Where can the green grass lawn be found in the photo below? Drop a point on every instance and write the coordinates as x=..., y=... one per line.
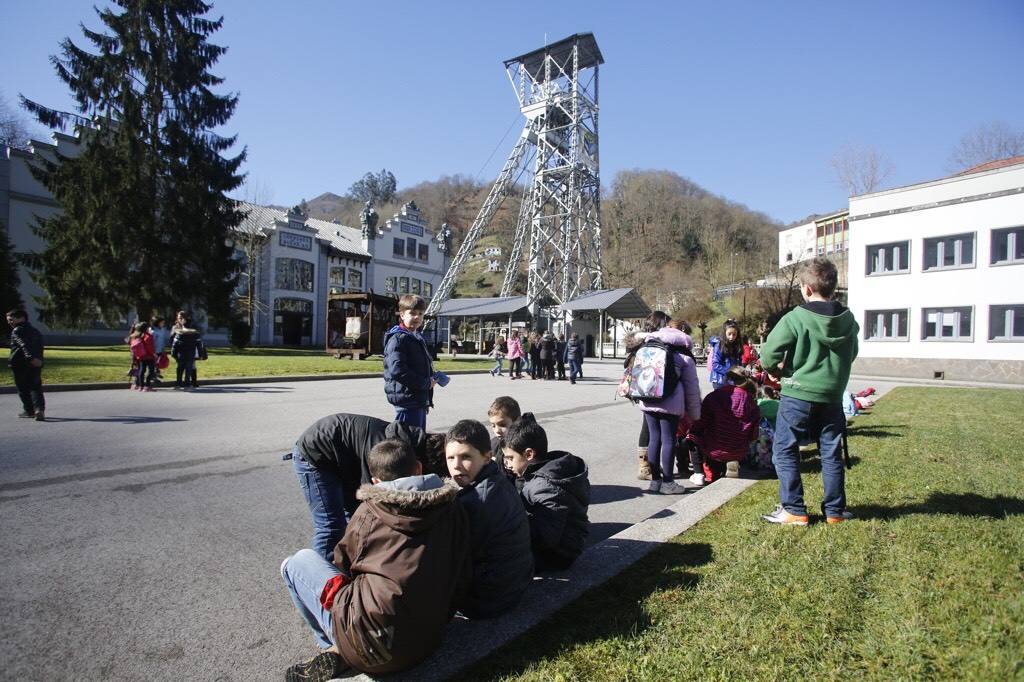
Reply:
x=83, y=364
x=927, y=583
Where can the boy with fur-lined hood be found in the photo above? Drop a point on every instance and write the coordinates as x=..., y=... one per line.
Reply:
x=398, y=572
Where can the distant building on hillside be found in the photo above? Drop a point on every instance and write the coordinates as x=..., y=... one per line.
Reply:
x=827, y=236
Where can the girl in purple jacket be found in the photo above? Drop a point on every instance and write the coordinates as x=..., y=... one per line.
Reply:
x=662, y=417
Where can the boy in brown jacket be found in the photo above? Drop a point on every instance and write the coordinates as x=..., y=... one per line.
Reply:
x=402, y=565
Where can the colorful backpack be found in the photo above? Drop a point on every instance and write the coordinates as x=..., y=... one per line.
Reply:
x=650, y=372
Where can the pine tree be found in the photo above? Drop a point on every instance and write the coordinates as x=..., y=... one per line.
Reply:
x=10, y=299
x=146, y=219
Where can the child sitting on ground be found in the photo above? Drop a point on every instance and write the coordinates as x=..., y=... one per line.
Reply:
x=402, y=565
x=728, y=423
x=500, y=533
x=502, y=413
x=555, y=490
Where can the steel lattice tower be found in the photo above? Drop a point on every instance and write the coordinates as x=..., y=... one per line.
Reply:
x=558, y=232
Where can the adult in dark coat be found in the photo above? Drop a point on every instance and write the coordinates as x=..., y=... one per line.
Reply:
x=500, y=532
x=547, y=356
x=26, y=362
x=574, y=356
x=560, y=345
x=330, y=461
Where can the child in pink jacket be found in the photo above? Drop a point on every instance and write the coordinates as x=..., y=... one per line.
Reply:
x=662, y=417
x=515, y=355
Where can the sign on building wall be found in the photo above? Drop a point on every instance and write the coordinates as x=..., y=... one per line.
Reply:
x=409, y=228
x=296, y=241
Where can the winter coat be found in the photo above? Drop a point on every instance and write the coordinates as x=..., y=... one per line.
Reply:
x=719, y=362
x=728, y=423
x=161, y=337
x=502, y=563
x=143, y=348
x=574, y=350
x=560, y=351
x=407, y=553
x=685, y=397
x=26, y=345
x=408, y=369
x=341, y=442
x=515, y=349
x=186, y=343
x=556, y=494
x=547, y=348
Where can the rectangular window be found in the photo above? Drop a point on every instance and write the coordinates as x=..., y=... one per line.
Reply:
x=355, y=279
x=888, y=258
x=428, y=290
x=410, y=247
x=1006, y=323
x=954, y=251
x=403, y=285
x=1008, y=246
x=337, y=277
x=293, y=274
x=424, y=252
x=399, y=247
x=886, y=325
x=390, y=284
x=947, y=324
x=415, y=286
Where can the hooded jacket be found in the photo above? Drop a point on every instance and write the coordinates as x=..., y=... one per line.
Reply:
x=817, y=344
x=407, y=553
x=515, y=348
x=408, y=369
x=547, y=347
x=185, y=343
x=342, y=441
x=502, y=563
x=574, y=350
x=729, y=422
x=556, y=494
x=26, y=345
x=685, y=398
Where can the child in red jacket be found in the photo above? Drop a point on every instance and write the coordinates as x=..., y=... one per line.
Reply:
x=144, y=356
x=729, y=419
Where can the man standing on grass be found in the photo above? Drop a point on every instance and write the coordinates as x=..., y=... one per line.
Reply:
x=26, y=362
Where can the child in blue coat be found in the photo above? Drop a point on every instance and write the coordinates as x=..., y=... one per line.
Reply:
x=408, y=370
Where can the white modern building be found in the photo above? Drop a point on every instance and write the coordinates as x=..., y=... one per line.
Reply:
x=936, y=276
x=828, y=236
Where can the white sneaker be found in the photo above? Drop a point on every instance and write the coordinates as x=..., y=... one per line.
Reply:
x=697, y=479
x=654, y=487
x=672, y=488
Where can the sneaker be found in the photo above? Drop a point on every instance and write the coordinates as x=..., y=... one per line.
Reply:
x=845, y=516
x=654, y=487
x=320, y=668
x=672, y=488
x=27, y=415
x=40, y=416
x=784, y=518
x=148, y=389
x=732, y=469
x=697, y=479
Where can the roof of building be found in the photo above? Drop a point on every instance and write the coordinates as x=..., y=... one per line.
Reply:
x=515, y=306
x=622, y=304
x=991, y=165
x=344, y=239
x=589, y=55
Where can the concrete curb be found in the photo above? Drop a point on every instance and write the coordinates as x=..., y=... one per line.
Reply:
x=908, y=381
x=549, y=593
x=227, y=381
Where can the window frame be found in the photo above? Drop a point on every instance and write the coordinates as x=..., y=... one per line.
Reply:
x=871, y=316
x=1012, y=233
x=1003, y=308
x=939, y=267
x=397, y=252
x=293, y=274
x=869, y=260
x=947, y=339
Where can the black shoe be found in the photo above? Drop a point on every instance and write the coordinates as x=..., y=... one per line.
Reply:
x=26, y=415
x=40, y=417
x=320, y=668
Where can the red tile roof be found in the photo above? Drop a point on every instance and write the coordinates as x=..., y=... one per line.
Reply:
x=992, y=165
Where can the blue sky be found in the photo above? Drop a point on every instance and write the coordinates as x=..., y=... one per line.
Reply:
x=748, y=99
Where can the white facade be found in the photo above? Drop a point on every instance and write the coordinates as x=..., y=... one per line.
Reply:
x=406, y=256
x=796, y=244
x=936, y=276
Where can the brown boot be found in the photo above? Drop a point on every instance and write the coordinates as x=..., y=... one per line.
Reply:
x=645, y=466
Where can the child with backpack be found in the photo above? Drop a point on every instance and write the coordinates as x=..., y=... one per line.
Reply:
x=727, y=426
x=143, y=357
x=726, y=352
x=664, y=381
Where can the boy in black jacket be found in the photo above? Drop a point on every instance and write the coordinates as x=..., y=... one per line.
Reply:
x=26, y=362
x=555, y=490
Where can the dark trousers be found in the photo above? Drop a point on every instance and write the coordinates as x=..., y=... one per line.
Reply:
x=186, y=372
x=560, y=365
x=535, y=368
x=29, y=381
x=662, y=430
x=147, y=369
x=515, y=367
x=549, y=368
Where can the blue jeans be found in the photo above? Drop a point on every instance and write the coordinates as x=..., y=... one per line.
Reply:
x=413, y=416
x=574, y=370
x=499, y=364
x=324, y=494
x=802, y=421
x=661, y=446
x=147, y=368
x=305, y=573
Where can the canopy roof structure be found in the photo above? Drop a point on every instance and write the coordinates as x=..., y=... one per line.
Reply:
x=533, y=62
x=515, y=308
x=622, y=304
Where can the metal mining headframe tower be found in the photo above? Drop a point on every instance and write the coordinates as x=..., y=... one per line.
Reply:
x=559, y=227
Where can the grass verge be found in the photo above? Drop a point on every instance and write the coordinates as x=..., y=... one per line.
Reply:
x=927, y=583
x=85, y=364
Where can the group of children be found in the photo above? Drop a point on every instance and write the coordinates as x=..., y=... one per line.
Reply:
x=546, y=355
x=411, y=528
x=148, y=343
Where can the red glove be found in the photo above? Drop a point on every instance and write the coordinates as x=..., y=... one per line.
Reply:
x=331, y=590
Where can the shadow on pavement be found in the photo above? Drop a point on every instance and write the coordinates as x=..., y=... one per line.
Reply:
x=961, y=504
x=242, y=389
x=603, y=530
x=117, y=420
x=602, y=494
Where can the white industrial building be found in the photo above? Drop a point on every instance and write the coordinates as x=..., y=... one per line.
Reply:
x=936, y=276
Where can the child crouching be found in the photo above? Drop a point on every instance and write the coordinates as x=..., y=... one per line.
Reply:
x=556, y=493
x=398, y=571
x=728, y=424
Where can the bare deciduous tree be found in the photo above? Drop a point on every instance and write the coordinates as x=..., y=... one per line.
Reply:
x=988, y=142
x=15, y=129
x=251, y=243
x=861, y=169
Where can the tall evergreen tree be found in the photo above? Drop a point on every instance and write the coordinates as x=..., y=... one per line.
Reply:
x=9, y=279
x=145, y=213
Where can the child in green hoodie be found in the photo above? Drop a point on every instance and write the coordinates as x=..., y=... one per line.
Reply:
x=812, y=349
